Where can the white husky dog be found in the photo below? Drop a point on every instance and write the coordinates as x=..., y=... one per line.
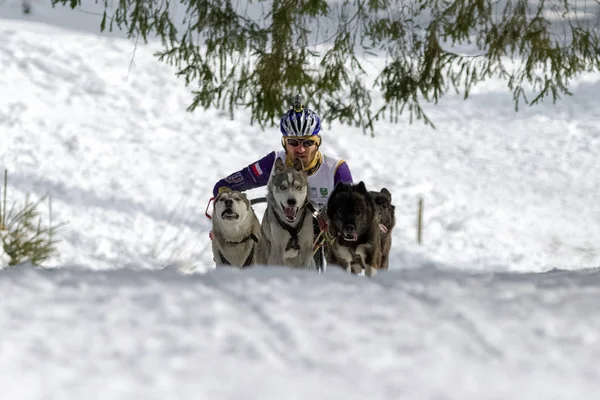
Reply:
x=287, y=234
x=236, y=230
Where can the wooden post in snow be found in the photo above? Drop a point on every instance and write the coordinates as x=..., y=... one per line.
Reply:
x=420, y=222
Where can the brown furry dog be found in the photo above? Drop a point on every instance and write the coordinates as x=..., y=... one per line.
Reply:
x=387, y=220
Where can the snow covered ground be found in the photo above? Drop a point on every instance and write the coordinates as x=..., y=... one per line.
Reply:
x=476, y=312
x=278, y=334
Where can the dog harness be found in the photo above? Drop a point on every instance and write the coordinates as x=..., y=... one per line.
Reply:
x=249, y=259
x=294, y=243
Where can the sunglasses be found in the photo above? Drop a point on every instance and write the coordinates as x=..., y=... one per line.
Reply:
x=305, y=143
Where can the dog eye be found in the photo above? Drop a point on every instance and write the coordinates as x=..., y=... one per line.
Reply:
x=341, y=212
x=357, y=211
x=281, y=187
x=298, y=188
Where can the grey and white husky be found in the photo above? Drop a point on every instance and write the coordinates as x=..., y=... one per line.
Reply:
x=236, y=230
x=287, y=234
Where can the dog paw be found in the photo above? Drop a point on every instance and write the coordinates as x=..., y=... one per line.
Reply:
x=291, y=253
x=371, y=271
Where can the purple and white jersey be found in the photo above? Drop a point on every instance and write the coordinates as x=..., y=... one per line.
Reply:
x=321, y=182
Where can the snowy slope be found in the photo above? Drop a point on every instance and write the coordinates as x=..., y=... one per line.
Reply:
x=130, y=169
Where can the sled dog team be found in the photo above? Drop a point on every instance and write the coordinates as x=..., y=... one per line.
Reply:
x=355, y=226
x=312, y=204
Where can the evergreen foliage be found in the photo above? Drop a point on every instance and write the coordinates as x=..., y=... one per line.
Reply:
x=23, y=236
x=237, y=59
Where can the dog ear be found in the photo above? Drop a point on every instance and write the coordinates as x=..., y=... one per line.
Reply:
x=386, y=193
x=298, y=164
x=378, y=198
x=361, y=188
x=341, y=186
x=279, y=164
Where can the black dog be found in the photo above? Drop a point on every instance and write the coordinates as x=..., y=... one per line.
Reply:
x=387, y=220
x=354, y=225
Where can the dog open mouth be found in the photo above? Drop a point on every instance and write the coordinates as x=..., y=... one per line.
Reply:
x=229, y=214
x=350, y=236
x=290, y=213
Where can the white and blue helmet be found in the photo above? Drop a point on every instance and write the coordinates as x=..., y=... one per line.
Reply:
x=300, y=121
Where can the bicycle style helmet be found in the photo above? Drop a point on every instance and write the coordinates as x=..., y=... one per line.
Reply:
x=300, y=121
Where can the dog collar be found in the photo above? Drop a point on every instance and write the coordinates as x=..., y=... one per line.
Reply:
x=246, y=263
x=251, y=236
x=293, y=243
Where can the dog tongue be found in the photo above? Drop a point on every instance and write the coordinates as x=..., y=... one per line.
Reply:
x=383, y=228
x=290, y=212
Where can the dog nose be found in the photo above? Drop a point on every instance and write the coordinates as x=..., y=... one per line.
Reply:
x=228, y=203
x=291, y=202
x=349, y=228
